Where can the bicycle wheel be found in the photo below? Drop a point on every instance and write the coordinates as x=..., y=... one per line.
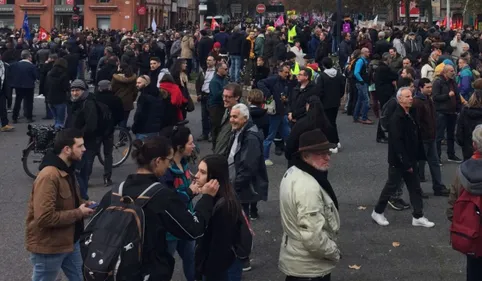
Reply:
x=31, y=160
x=122, y=147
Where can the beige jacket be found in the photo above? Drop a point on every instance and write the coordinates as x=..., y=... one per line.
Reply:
x=187, y=47
x=310, y=224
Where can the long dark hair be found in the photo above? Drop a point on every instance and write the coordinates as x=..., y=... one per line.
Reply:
x=218, y=170
x=176, y=70
x=316, y=114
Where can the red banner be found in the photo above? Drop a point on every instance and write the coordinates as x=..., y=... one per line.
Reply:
x=69, y=2
x=414, y=11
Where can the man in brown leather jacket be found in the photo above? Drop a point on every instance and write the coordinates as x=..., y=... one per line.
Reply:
x=56, y=212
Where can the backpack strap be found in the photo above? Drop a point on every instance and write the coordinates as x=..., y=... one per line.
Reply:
x=148, y=193
x=116, y=194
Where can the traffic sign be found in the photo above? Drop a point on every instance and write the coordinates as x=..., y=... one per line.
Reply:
x=75, y=17
x=260, y=8
x=141, y=10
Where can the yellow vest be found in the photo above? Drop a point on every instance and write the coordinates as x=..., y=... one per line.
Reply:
x=312, y=72
x=295, y=70
x=292, y=34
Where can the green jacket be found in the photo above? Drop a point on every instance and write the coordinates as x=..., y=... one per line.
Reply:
x=259, y=46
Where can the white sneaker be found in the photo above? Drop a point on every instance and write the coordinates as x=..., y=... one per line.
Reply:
x=338, y=145
x=268, y=162
x=334, y=150
x=423, y=221
x=380, y=218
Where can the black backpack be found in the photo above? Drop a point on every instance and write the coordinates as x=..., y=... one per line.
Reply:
x=112, y=242
x=386, y=114
x=243, y=242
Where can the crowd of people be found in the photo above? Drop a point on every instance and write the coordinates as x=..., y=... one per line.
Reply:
x=256, y=86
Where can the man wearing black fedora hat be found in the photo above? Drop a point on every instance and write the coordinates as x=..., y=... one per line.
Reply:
x=309, y=213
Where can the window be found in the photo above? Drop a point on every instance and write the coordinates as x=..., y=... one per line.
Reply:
x=103, y=1
x=10, y=2
x=33, y=1
x=103, y=22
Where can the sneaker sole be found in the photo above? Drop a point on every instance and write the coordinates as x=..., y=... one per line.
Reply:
x=422, y=225
x=247, y=269
x=454, y=161
x=394, y=207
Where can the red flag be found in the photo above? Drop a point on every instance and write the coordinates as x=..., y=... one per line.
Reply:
x=214, y=24
x=43, y=35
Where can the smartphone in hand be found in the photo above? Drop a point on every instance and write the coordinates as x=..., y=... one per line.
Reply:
x=93, y=205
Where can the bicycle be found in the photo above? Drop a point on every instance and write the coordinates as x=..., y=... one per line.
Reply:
x=41, y=141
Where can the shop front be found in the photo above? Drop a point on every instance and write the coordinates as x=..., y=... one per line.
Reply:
x=7, y=18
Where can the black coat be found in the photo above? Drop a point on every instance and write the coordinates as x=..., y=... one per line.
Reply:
x=5, y=85
x=260, y=118
x=298, y=99
x=106, y=73
x=44, y=69
x=469, y=118
x=57, y=86
x=73, y=63
x=384, y=77
x=165, y=212
x=381, y=47
x=149, y=116
x=322, y=51
x=144, y=59
x=83, y=117
x=251, y=182
x=235, y=44
x=204, y=47
x=114, y=103
x=405, y=146
x=441, y=88
x=331, y=89
x=274, y=86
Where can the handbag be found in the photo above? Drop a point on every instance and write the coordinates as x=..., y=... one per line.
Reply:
x=270, y=106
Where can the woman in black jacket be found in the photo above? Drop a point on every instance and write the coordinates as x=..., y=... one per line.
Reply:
x=469, y=118
x=315, y=118
x=215, y=258
x=57, y=89
x=165, y=212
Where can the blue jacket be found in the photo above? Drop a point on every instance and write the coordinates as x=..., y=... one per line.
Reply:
x=274, y=86
x=360, y=71
x=313, y=44
x=222, y=38
x=464, y=82
x=23, y=74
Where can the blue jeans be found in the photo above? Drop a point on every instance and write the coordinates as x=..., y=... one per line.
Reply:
x=234, y=273
x=434, y=165
x=59, y=112
x=185, y=249
x=362, y=106
x=235, y=68
x=276, y=123
x=142, y=137
x=46, y=267
x=83, y=170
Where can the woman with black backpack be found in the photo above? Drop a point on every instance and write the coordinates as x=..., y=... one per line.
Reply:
x=216, y=254
x=135, y=217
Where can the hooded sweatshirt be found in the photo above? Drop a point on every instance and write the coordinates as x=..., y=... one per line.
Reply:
x=467, y=177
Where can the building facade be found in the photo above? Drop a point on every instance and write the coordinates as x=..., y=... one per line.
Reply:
x=104, y=14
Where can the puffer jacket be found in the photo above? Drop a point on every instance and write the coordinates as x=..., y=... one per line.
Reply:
x=187, y=47
x=444, y=103
x=149, y=114
x=310, y=251
x=125, y=89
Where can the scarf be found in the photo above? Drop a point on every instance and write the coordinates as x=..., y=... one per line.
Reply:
x=84, y=96
x=477, y=155
x=2, y=73
x=320, y=176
